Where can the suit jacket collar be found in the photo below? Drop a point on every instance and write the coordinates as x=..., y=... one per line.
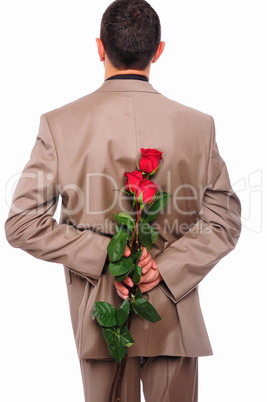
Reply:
x=127, y=86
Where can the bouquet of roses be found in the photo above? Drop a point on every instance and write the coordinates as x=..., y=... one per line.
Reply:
x=134, y=230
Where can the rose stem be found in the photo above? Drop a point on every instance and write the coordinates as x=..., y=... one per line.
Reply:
x=139, y=211
x=114, y=382
x=123, y=365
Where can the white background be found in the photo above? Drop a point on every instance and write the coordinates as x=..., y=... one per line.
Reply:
x=214, y=61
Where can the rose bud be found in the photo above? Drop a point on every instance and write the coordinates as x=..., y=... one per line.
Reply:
x=146, y=192
x=150, y=159
x=133, y=181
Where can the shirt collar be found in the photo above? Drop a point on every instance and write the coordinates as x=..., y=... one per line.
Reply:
x=128, y=77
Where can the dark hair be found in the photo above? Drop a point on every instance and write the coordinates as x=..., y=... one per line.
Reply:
x=130, y=32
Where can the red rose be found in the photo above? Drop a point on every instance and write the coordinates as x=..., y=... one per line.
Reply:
x=133, y=181
x=146, y=192
x=150, y=159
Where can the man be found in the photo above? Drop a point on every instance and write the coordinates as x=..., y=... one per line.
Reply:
x=82, y=151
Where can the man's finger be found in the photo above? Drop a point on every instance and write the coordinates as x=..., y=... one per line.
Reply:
x=144, y=254
x=154, y=265
x=146, y=267
x=122, y=296
x=120, y=285
x=121, y=288
x=128, y=282
x=146, y=287
x=127, y=252
x=146, y=261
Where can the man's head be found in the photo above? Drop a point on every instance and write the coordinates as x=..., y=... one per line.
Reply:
x=130, y=32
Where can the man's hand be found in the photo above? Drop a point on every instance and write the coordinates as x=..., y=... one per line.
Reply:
x=149, y=279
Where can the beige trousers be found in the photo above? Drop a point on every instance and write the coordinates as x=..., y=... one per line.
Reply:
x=165, y=379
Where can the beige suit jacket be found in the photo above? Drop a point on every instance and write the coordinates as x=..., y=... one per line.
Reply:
x=82, y=151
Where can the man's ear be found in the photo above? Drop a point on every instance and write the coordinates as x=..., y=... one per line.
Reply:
x=101, y=49
x=159, y=52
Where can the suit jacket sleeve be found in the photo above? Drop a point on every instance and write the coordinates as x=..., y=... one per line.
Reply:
x=185, y=262
x=30, y=225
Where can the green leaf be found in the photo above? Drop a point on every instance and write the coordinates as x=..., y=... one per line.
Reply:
x=147, y=229
x=105, y=314
x=154, y=234
x=122, y=228
x=116, y=344
x=139, y=294
x=137, y=275
x=125, y=219
x=144, y=235
x=123, y=266
x=121, y=278
x=116, y=246
x=125, y=333
x=137, y=270
x=123, y=312
x=159, y=204
x=145, y=309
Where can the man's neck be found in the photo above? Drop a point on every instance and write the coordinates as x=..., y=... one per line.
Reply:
x=110, y=71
